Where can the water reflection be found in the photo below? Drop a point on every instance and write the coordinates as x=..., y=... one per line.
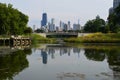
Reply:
x=61, y=63
x=51, y=51
x=112, y=56
x=13, y=62
x=44, y=56
x=95, y=55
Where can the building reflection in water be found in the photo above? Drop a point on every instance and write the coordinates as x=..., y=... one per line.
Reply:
x=77, y=50
x=51, y=51
x=68, y=51
x=99, y=55
x=44, y=56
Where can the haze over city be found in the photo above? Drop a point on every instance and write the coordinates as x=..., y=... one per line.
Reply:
x=64, y=10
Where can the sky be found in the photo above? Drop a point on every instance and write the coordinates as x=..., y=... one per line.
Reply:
x=64, y=10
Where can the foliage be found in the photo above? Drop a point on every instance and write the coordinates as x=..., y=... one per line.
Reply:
x=94, y=54
x=114, y=20
x=39, y=39
x=96, y=38
x=39, y=31
x=28, y=30
x=95, y=25
x=13, y=63
x=12, y=21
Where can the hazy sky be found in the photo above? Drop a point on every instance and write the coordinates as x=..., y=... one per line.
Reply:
x=64, y=10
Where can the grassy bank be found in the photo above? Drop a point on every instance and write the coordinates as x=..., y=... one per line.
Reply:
x=39, y=39
x=96, y=38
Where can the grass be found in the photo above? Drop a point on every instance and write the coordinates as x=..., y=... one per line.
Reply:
x=39, y=39
x=96, y=38
x=35, y=38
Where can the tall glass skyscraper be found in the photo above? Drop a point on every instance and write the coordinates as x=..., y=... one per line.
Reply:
x=44, y=19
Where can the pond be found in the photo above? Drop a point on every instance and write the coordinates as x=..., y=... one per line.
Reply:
x=61, y=62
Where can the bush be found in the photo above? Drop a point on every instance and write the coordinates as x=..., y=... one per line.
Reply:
x=39, y=39
x=96, y=38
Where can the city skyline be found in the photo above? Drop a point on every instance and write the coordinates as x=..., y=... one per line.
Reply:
x=63, y=10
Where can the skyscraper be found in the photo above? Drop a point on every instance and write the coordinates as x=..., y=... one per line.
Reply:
x=69, y=25
x=52, y=25
x=76, y=27
x=116, y=3
x=44, y=19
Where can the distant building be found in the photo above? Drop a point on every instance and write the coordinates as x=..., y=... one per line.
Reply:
x=44, y=20
x=76, y=27
x=111, y=10
x=51, y=25
x=62, y=26
x=34, y=28
x=57, y=29
x=65, y=27
x=116, y=3
x=69, y=25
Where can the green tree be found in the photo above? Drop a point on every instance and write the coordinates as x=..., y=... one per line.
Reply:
x=11, y=65
x=28, y=30
x=95, y=25
x=94, y=54
x=12, y=21
x=114, y=20
x=39, y=31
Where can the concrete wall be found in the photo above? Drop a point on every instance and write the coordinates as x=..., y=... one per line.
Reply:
x=83, y=34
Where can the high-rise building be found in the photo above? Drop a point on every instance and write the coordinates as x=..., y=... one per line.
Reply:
x=116, y=3
x=44, y=19
x=69, y=25
x=52, y=25
x=34, y=28
x=77, y=27
x=65, y=27
x=61, y=25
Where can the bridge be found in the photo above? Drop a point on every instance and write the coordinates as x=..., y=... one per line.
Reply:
x=62, y=34
x=15, y=41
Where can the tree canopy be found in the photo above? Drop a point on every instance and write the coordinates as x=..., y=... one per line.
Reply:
x=95, y=25
x=12, y=21
x=114, y=20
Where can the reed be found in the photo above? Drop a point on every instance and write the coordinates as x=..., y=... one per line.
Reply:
x=96, y=38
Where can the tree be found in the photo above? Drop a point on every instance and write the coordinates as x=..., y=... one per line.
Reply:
x=12, y=21
x=114, y=20
x=39, y=31
x=95, y=25
x=28, y=30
